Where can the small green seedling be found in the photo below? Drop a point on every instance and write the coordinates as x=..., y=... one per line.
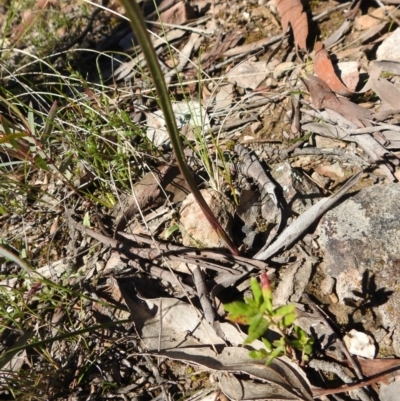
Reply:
x=260, y=315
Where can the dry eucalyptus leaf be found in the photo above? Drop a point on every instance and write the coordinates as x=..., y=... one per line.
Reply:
x=323, y=97
x=291, y=12
x=283, y=380
x=248, y=74
x=388, y=92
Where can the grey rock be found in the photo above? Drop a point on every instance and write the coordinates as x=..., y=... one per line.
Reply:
x=360, y=239
x=390, y=392
x=299, y=191
x=250, y=239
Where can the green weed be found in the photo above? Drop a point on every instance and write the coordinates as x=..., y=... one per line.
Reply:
x=260, y=315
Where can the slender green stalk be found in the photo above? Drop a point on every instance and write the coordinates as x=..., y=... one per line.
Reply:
x=134, y=14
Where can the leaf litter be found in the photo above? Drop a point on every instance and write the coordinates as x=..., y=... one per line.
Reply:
x=321, y=128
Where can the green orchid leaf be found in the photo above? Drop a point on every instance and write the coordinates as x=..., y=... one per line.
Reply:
x=288, y=319
x=256, y=289
x=239, y=312
x=134, y=13
x=49, y=122
x=257, y=328
x=267, y=344
x=274, y=354
x=258, y=354
x=283, y=310
x=41, y=163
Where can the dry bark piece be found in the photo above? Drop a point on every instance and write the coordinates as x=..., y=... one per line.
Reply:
x=249, y=166
x=291, y=12
x=323, y=68
x=376, y=366
x=287, y=282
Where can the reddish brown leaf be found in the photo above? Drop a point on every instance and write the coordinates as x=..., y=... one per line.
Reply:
x=373, y=367
x=291, y=12
x=323, y=68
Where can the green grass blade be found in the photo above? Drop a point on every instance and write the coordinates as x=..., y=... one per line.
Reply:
x=50, y=121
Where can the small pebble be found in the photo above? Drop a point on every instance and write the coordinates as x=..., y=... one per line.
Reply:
x=327, y=285
x=333, y=297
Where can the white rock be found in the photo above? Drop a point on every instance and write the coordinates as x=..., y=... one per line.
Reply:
x=360, y=344
x=390, y=49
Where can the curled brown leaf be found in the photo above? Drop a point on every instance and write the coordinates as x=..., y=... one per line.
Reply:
x=323, y=68
x=322, y=97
